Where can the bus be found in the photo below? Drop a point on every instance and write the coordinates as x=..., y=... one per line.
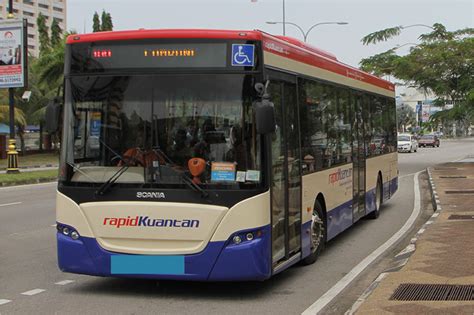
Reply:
x=214, y=155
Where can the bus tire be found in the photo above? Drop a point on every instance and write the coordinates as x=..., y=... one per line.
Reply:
x=378, y=200
x=318, y=234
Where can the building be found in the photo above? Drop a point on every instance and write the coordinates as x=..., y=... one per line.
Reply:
x=30, y=9
x=416, y=97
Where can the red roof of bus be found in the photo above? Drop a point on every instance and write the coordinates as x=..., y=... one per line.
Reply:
x=284, y=46
x=171, y=33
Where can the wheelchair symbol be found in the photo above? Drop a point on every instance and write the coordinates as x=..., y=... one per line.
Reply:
x=241, y=57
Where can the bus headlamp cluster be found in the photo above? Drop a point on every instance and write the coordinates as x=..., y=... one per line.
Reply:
x=244, y=237
x=67, y=231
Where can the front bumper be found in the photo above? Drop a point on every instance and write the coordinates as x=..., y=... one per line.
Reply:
x=403, y=149
x=219, y=261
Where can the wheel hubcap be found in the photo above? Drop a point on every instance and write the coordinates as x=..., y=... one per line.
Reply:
x=317, y=232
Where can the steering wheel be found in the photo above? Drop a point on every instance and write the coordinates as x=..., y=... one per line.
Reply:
x=130, y=157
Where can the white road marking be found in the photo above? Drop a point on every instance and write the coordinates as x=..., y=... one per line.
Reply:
x=2, y=301
x=324, y=300
x=366, y=294
x=421, y=231
x=33, y=292
x=10, y=204
x=54, y=225
x=64, y=282
x=406, y=175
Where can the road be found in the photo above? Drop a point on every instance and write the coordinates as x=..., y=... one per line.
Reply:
x=30, y=282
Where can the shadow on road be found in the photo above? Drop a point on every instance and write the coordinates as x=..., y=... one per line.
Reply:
x=182, y=290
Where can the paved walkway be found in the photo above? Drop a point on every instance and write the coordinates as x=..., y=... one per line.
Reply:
x=442, y=253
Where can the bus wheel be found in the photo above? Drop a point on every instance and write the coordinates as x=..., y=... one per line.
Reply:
x=318, y=235
x=378, y=201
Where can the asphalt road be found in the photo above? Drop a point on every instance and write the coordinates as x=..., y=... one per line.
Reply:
x=30, y=282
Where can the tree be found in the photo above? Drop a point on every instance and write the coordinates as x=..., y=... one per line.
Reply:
x=107, y=24
x=45, y=77
x=41, y=93
x=442, y=63
x=405, y=117
x=43, y=33
x=5, y=115
x=381, y=64
x=50, y=67
x=96, y=27
x=56, y=33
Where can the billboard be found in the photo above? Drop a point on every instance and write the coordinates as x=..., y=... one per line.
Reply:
x=425, y=112
x=12, y=54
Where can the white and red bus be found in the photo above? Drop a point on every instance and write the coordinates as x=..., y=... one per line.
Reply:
x=215, y=155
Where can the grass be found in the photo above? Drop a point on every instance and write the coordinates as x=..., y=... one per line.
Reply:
x=34, y=159
x=28, y=177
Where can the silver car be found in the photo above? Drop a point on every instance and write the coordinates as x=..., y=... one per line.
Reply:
x=407, y=143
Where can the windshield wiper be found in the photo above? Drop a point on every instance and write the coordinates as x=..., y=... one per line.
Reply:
x=189, y=182
x=184, y=178
x=76, y=168
x=105, y=186
x=113, y=151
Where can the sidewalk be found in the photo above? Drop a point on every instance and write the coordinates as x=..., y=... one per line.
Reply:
x=438, y=277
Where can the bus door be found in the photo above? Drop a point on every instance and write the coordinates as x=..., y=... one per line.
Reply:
x=286, y=171
x=358, y=158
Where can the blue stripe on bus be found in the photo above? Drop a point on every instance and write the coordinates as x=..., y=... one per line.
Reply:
x=370, y=197
x=306, y=239
x=219, y=261
x=393, y=186
x=339, y=219
x=144, y=264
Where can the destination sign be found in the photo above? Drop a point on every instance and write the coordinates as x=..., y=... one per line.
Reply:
x=101, y=57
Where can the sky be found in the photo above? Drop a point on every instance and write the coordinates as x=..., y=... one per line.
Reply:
x=363, y=17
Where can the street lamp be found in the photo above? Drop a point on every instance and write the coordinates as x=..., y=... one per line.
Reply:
x=305, y=34
x=398, y=46
x=415, y=25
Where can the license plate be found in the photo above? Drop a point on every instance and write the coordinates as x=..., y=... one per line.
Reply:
x=147, y=265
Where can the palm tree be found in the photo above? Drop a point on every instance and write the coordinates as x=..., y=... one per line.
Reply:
x=41, y=94
x=5, y=115
x=50, y=66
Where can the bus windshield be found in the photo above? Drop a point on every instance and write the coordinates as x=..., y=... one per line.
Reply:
x=154, y=125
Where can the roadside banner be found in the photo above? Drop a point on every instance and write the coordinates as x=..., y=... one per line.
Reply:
x=12, y=54
x=425, y=112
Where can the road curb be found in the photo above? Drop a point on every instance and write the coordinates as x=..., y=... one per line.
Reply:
x=434, y=195
x=32, y=166
x=401, y=259
x=29, y=182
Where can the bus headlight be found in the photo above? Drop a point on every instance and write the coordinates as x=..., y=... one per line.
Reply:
x=74, y=235
x=237, y=239
x=66, y=231
x=249, y=236
x=245, y=236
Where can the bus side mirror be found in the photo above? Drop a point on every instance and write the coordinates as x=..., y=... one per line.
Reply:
x=52, y=116
x=265, y=116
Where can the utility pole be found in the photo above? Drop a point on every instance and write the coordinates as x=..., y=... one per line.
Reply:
x=284, y=22
x=12, y=154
